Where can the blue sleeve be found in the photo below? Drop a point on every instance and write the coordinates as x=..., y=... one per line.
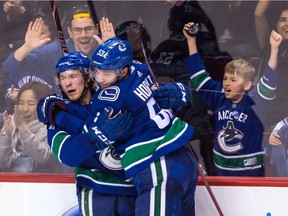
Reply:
x=69, y=123
x=208, y=89
x=38, y=65
x=12, y=67
x=71, y=150
x=193, y=64
x=266, y=88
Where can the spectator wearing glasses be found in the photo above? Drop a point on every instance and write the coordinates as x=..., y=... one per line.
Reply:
x=36, y=58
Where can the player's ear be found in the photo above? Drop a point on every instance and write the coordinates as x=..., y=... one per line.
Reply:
x=124, y=72
x=247, y=85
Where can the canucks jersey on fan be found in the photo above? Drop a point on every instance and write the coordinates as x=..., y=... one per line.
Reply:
x=238, y=126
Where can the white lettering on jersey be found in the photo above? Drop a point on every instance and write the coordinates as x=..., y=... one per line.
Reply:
x=234, y=115
x=143, y=91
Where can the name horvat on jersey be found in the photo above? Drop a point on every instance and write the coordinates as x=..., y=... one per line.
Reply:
x=143, y=91
x=234, y=115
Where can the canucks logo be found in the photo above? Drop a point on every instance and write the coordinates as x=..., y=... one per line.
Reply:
x=233, y=136
x=109, y=159
x=109, y=94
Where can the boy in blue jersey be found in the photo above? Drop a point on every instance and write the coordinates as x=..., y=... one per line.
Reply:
x=239, y=115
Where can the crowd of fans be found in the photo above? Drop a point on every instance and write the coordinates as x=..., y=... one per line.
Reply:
x=229, y=30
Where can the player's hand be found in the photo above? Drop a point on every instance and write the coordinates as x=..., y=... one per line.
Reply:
x=106, y=129
x=107, y=31
x=48, y=107
x=172, y=95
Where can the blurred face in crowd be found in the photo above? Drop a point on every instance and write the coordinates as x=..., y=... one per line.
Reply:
x=27, y=106
x=73, y=84
x=45, y=33
x=81, y=32
x=282, y=24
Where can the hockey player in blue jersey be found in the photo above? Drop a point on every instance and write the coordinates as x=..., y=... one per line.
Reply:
x=238, y=113
x=154, y=152
x=73, y=151
x=100, y=180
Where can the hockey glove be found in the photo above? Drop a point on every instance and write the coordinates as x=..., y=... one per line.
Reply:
x=172, y=95
x=106, y=129
x=48, y=107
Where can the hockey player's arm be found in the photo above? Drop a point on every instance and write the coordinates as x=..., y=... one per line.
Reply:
x=73, y=150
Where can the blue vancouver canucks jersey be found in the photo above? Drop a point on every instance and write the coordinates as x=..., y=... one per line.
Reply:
x=97, y=170
x=155, y=132
x=238, y=126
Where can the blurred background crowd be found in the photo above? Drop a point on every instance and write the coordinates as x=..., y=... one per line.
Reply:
x=228, y=30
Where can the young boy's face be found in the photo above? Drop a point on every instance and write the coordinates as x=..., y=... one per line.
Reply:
x=234, y=87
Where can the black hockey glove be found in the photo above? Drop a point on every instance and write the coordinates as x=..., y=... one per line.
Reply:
x=172, y=95
x=48, y=107
x=106, y=129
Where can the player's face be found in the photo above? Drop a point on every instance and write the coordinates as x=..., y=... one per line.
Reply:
x=282, y=24
x=234, y=87
x=81, y=32
x=72, y=83
x=27, y=106
x=105, y=78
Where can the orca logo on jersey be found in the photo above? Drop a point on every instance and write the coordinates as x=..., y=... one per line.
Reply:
x=109, y=159
x=233, y=136
x=109, y=94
